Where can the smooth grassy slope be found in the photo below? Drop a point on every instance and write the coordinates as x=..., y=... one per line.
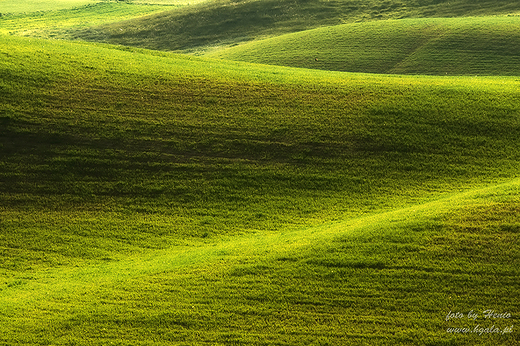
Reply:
x=125, y=171
x=92, y=128
x=223, y=23
x=454, y=46
x=59, y=23
x=385, y=279
x=25, y=6
x=29, y=6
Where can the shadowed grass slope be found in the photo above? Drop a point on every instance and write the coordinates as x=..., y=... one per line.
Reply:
x=457, y=46
x=224, y=22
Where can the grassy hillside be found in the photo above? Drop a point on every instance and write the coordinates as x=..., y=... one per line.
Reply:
x=387, y=279
x=251, y=133
x=8, y=7
x=224, y=22
x=152, y=198
x=460, y=46
x=25, y=6
x=53, y=21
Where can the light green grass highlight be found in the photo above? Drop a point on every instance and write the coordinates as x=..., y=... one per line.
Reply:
x=230, y=262
x=168, y=2
x=441, y=46
x=60, y=23
x=27, y=6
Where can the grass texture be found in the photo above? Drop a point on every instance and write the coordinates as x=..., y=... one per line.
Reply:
x=153, y=198
x=215, y=24
x=26, y=6
x=454, y=46
x=60, y=23
x=393, y=278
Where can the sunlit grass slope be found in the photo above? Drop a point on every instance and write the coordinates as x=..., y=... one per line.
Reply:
x=476, y=45
x=151, y=198
x=26, y=6
x=59, y=23
x=386, y=279
x=223, y=23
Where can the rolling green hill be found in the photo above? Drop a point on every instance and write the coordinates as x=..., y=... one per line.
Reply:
x=456, y=46
x=153, y=198
x=224, y=23
x=59, y=23
x=471, y=45
x=387, y=279
x=25, y=6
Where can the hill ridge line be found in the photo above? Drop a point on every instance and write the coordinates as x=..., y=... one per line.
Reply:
x=226, y=248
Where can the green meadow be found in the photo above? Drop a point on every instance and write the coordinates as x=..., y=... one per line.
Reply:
x=212, y=25
x=24, y=6
x=55, y=22
x=435, y=46
x=249, y=197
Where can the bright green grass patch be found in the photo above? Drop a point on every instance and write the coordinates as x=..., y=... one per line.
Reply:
x=27, y=6
x=215, y=24
x=476, y=45
x=168, y=2
x=383, y=279
x=59, y=23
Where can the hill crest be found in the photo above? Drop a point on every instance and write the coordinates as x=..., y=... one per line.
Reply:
x=225, y=23
x=435, y=46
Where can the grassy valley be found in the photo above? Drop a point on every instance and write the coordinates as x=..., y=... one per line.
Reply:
x=155, y=198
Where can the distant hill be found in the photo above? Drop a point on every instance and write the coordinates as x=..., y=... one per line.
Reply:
x=225, y=22
x=461, y=46
x=26, y=6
